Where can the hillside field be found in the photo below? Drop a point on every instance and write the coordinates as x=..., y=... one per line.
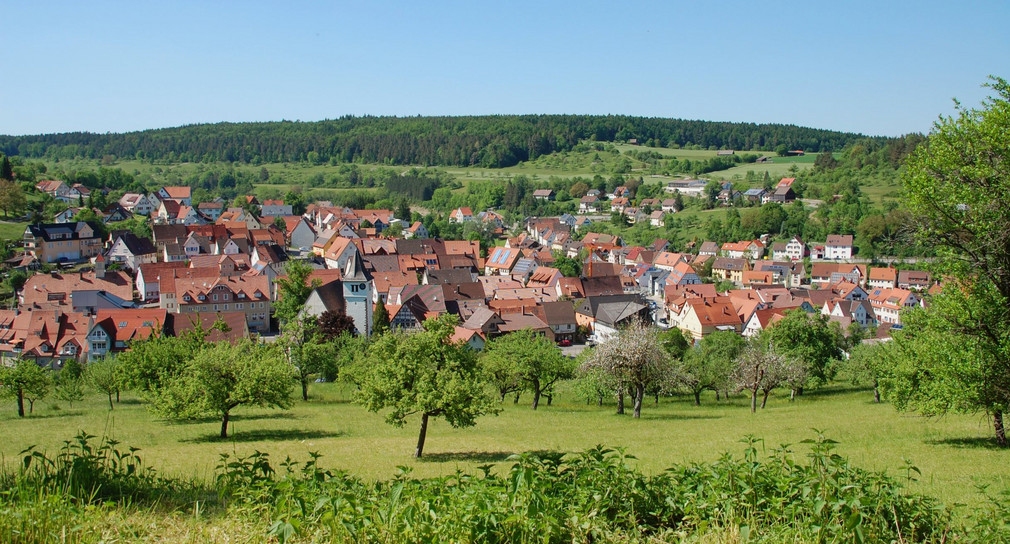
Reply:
x=954, y=453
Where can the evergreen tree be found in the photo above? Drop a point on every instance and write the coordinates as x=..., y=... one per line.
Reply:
x=380, y=319
x=6, y=172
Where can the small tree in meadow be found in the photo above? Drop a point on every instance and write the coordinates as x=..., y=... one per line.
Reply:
x=424, y=373
x=26, y=380
x=536, y=363
x=635, y=359
x=223, y=377
x=104, y=375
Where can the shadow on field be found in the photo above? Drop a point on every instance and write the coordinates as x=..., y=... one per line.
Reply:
x=826, y=393
x=968, y=443
x=670, y=417
x=265, y=435
x=246, y=417
x=476, y=456
x=48, y=415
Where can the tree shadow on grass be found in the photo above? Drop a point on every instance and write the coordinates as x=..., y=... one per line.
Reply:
x=266, y=435
x=477, y=456
x=48, y=415
x=670, y=417
x=246, y=417
x=968, y=443
x=826, y=393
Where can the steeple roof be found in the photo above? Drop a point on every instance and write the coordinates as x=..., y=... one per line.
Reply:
x=355, y=269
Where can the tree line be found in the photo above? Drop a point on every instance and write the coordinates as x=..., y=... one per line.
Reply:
x=489, y=141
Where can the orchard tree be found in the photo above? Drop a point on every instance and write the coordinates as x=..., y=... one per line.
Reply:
x=635, y=359
x=306, y=350
x=867, y=364
x=957, y=191
x=25, y=380
x=69, y=389
x=709, y=365
x=536, y=362
x=760, y=369
x=424, y=373
x=807, y=338
x=105, y=376
x=223, y=377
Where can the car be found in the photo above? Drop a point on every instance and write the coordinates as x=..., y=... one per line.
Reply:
x=565, y=343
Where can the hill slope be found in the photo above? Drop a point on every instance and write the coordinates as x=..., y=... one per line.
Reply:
x=488, y=141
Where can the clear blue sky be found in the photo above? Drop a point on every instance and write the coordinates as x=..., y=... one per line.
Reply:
x=882, y=67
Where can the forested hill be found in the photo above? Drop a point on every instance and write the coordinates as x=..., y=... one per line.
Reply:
x=488, y=141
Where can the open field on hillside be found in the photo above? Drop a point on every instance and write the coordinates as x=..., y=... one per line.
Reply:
x=564, y=165
x=11, y=230
x=954, y=453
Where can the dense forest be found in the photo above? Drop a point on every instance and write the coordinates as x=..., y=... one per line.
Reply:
x=487, y=141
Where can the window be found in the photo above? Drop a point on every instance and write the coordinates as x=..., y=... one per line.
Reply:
x=215, y=296
x=215, y=307
x=238, y=306
x=226, y=307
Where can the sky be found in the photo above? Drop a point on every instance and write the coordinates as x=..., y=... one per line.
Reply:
x=877, y=68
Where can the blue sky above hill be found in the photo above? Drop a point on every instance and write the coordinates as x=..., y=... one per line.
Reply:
x=883, y=68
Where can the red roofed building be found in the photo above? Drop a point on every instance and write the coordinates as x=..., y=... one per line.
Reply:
x=114, y=330
x=250, y=295
x=461, y=215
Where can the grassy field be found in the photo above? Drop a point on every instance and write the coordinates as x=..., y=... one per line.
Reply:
x=953, y=453
x=11, y=230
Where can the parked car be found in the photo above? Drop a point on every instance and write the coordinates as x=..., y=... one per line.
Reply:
x=565, y=343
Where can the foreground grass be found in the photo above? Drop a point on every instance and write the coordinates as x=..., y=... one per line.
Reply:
x=954, y=454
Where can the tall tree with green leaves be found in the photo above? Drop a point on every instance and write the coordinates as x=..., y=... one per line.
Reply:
x=807, y=338
x=222, y=377
x=537, y=363
x=424, y=374
x=293, y=290
x=957, y=191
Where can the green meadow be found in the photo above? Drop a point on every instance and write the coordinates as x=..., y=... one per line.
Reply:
x=954, y=453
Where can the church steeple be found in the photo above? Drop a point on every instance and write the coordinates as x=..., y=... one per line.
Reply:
x=358, y=303
x=355, y=269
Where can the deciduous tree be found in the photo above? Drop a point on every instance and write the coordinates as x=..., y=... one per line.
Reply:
x=957, y=190
x=293, y=290
x=538, y=364
x=106, y=376
x=223, y=377
x=709, y=365
x=25, y=380
x=424, y=373
x=634, y=358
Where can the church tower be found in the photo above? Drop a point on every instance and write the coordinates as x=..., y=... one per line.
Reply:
x=357, y=283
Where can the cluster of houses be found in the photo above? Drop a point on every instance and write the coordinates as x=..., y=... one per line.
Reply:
x=654, y=209
x=223, y=266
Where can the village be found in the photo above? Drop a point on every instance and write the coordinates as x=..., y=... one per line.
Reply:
x=213, y=262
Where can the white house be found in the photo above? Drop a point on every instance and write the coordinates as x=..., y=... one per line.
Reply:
x=838, y=247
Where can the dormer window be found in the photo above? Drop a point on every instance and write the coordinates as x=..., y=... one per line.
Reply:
x=241, y=295
x=187, y=298
x=202, y=298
